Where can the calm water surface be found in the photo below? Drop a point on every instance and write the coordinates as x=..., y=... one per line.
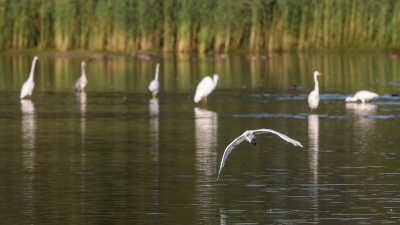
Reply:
x=113, y=155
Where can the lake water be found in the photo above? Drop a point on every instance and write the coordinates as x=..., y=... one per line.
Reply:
x=113, y=155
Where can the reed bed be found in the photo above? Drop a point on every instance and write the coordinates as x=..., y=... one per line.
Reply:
x=199, y=25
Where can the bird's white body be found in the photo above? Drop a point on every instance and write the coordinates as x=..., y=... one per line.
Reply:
x=205, y=87
x=363, y=96
x=82, y=81
x=27, y=87
x=155, y=84
x=249, y=136
x=313, y=97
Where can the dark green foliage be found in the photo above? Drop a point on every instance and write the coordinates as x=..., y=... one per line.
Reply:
x=198, y=25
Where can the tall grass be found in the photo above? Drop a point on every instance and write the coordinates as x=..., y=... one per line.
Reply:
x=199, y=25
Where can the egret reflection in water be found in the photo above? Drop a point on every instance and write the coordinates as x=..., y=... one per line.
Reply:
x=154, y=127
x=206, y=127
x=222, y=217
x=313, y=143
x=28, y=146
x=81, y=99
x=28, y=130
x=154, y=137
x=206, y=137
x=364, y=127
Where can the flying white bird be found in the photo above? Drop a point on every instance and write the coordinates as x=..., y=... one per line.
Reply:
x=154, y=84
x=363, y=96
x=82, y=81
x=249, y=136
x=313, y=97
x=29, y=84
x=205, y=87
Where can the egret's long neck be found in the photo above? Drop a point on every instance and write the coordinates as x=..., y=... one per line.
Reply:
x=83, y=71
x=316, y=84
x=353, y=99
x=32, y=69
x=215, y=83
x=158, y=66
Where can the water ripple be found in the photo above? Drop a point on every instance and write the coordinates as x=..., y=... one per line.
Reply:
x=283, y=115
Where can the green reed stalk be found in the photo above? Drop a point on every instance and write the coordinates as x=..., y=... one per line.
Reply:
x=169, y=25
x=186, y=16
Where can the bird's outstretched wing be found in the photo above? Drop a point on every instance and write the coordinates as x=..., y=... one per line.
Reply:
x=284, y=137
x=228, y=150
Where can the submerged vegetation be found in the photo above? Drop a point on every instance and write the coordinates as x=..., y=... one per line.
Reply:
x=199, y=25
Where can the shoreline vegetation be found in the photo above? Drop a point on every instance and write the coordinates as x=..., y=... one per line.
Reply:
x=199, y=26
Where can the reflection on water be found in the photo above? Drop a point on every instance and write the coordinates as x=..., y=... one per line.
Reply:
x=81, y=99
x=364, y=127
x=154, y=129
x=361, y=109
x=28, y=127
x=206, y=127
x=223, y=217
x=28, y=146
x=313, y=140
x=99, y=157
x=182, y=74
x=154, y=137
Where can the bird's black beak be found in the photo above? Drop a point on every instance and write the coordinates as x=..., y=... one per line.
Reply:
x=254, y=142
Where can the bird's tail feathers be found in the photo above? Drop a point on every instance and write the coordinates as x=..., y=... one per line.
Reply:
x=197, y=98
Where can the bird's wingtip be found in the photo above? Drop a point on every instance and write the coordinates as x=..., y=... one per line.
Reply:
x=299, y=144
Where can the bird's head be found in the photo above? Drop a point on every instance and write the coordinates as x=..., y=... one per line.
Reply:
x=35, y=58
x=83, y=63
x=249, y=136
x=349, y=99
x=316, y=73
x=215, y=77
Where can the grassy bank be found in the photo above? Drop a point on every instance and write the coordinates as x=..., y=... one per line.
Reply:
x=198, y=25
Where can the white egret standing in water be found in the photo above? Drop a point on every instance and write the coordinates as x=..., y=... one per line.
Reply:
x=249, y=136
x=82, y=81
x=205, y=87
x=313, y=97
x=27, y=87
x=363, y=96
x=154, y=84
